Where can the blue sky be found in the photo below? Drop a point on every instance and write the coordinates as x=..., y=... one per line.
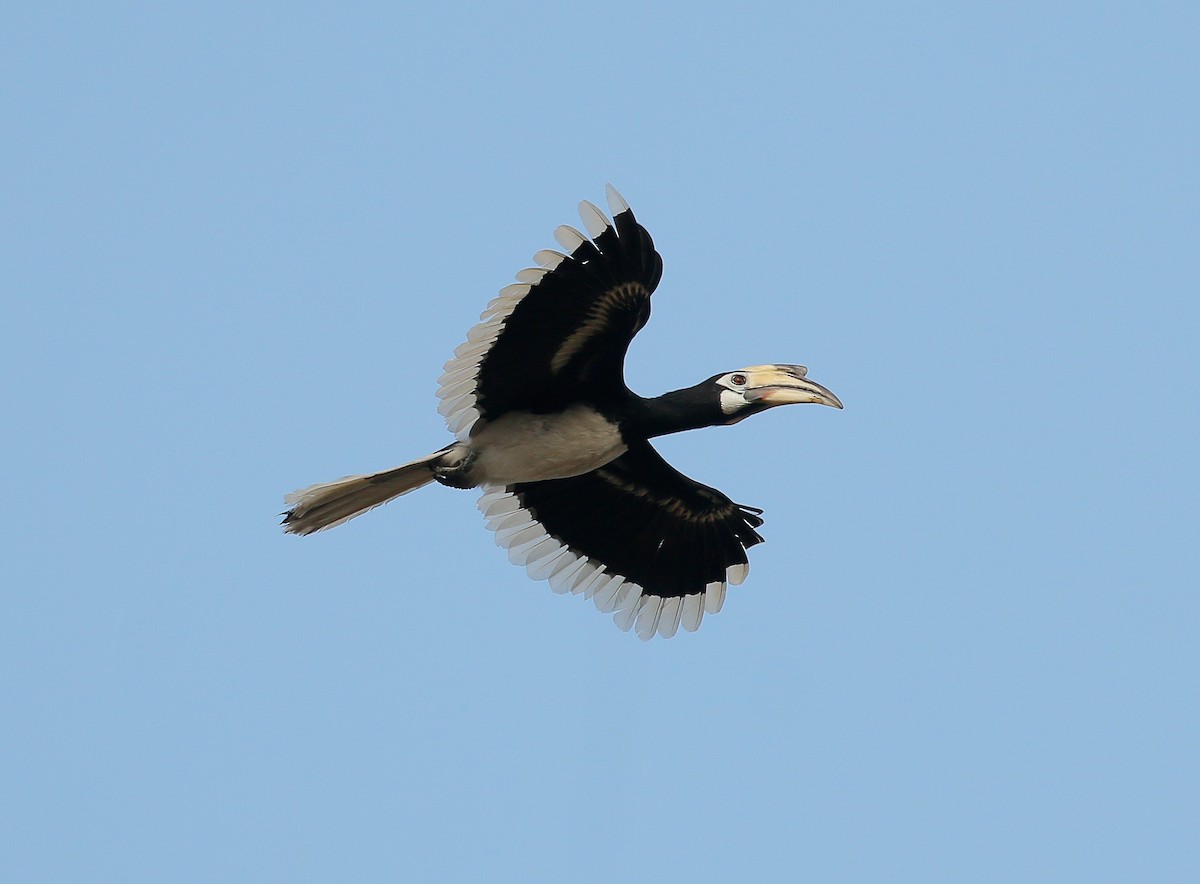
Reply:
x=239, y=243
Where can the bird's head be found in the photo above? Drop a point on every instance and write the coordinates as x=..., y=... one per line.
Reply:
x=750, y=390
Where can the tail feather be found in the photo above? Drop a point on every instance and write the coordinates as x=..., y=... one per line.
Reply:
x=318, y=507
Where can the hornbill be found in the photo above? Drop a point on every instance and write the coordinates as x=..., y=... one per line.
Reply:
x=546, y=426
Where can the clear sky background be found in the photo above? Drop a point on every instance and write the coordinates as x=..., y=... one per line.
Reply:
x=239, y=241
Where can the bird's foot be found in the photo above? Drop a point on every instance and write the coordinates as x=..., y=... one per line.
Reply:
x=454, y=468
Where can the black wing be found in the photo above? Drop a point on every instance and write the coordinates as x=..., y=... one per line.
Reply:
x=636, y=535
x=560, y=334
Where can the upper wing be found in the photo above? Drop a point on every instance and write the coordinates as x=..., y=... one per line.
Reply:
x=636, y=535
x=560, y=333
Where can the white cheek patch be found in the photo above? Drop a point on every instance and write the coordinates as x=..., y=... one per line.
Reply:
x=731, y=401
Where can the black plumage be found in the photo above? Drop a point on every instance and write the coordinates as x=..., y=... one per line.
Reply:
x=660, y=528
x=547, y=426
x=565, y=341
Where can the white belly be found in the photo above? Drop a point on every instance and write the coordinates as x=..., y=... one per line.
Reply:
x=523, y=447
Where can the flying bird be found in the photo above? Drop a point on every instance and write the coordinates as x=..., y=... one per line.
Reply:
x=546, y=426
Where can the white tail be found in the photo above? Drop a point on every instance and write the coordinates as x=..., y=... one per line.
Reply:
x=318, y=507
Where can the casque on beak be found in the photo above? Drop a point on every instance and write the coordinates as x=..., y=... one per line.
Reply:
x=785, y=385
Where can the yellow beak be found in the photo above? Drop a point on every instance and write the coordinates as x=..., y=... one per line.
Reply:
x=785, y=385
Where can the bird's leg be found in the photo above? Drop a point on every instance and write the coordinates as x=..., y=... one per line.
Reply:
x=454, y=467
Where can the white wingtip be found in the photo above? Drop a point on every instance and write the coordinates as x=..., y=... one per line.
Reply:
x=544, y=567
x=568, y=237
x=624, y=618
x=531, y=275
x=589, y=579
x=616, y=202
x=549, y=258
x=593, y=219
x=569, y=571
x=565, y=573
x=605, y=596
x=693, y=611
x=668, y=623
x=648, y=617
x=714, y=597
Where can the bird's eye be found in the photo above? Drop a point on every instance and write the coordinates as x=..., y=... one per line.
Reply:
x=738, y=380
